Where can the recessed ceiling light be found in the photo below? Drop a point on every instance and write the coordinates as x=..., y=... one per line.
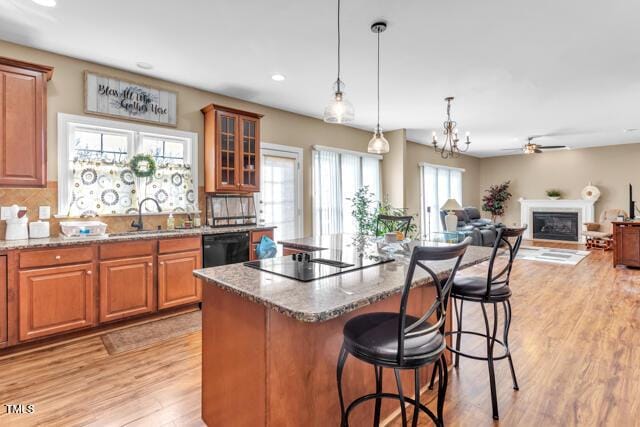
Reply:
x=45, y=3
x=278, y=77
x=144, y=65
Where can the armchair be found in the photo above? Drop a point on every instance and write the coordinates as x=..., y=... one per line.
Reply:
x=599, y=234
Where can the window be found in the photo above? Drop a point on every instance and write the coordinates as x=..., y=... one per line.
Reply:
x=280, y=198
x=94, y=176
x=337, y=175
x=439, y=183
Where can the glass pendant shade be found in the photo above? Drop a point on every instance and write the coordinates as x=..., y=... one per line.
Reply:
x=378, y=144
x=339, y=109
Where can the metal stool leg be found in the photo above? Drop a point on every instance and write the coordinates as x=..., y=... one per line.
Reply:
x=342, y=358
x=376, y=417
x=416, y=397
x=403, y=409
x=442, y=387
x=490, y=342
x=507, y=324
x=458, y=328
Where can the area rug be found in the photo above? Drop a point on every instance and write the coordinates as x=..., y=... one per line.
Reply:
x=552, y=255
x=141, y=336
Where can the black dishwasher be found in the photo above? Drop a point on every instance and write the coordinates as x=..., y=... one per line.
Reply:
x=227, y=248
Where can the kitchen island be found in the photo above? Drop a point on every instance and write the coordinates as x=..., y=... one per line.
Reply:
x=270, y=343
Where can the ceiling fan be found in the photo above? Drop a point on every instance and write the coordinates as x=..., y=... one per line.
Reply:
x=533, y=148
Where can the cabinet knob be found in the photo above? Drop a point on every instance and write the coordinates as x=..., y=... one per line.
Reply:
x=89, y=272
x=58, y=257
x=161, y=262
x=150, y=264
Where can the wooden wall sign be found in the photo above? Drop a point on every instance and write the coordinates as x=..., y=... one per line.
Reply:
x=113, y=97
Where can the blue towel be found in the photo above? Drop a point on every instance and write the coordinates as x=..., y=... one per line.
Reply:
x=266, y=248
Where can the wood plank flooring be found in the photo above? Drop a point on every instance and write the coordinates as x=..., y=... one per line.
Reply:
x=575, y=340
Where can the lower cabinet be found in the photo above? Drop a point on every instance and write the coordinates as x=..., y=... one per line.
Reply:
x=55, y=300
x=3, y=302
x=176, y=283
x=126, y=288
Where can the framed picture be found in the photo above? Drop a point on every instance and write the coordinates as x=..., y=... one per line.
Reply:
x=113, y=97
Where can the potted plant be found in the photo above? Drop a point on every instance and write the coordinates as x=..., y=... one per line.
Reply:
x=554, y=194
x=495, y=200
x=365, y=210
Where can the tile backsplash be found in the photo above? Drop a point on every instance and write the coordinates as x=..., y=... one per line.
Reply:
x=32, y=198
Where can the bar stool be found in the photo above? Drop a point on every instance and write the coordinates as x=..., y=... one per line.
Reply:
x=401, y=341
x=493, y=289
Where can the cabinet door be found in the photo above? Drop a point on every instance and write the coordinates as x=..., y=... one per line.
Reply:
x=249, y=165
x=3, y=301
x=22, y=131
x=126, y=288
x=55, y=300
x=176, y=283
x=628, y=242
x=227, y=151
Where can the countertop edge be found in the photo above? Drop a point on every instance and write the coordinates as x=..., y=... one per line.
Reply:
x=53, y=242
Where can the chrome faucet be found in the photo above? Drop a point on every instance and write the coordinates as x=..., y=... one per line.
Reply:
x=139, y=225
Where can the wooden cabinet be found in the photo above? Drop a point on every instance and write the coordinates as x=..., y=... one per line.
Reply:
x=55, y=300
x=176, y=282
x=626, y=249
x=23, y=123
x=232, y=150
x=126, y=288
x=254, y=238
x=3, y=302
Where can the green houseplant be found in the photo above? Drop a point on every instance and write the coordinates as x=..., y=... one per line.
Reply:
x=554, y=194
x=495, y=200
x=365, y=209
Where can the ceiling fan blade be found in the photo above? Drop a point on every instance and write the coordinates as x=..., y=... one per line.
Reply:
x=551, y=147
x=537, y=151
x=511, y=149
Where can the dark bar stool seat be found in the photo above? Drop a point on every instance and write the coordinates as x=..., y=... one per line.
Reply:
x=401, y=341
x=492, y=289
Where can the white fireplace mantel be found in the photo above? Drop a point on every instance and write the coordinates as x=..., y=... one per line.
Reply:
x=585, y=209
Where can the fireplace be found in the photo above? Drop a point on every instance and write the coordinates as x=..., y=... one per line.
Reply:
x=555, y=226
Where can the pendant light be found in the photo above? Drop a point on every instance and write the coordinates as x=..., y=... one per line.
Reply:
x=378, y=144
x=339, y=110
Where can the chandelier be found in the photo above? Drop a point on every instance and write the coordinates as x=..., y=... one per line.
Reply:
x=450, y=146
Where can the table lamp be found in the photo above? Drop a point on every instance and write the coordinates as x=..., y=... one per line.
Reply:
x=451, y=219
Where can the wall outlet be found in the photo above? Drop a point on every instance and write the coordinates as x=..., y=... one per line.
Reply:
x=5, y=212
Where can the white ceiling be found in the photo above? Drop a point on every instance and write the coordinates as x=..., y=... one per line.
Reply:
x=515, y=67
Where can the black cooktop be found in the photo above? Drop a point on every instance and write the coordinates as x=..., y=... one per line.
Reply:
x=306, y=267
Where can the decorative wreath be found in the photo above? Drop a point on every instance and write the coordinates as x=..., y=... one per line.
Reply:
x=143, y=165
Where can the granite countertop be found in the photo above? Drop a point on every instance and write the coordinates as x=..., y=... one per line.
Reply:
x=329, y=297
x=6, y=245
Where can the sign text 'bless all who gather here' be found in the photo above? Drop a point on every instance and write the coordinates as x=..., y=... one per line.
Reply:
x=109, y=96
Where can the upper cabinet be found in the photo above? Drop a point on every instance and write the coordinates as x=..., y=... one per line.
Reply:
x=23, y=123
x=231, y=150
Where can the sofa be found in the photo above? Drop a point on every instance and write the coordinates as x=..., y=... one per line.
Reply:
x=482, y=231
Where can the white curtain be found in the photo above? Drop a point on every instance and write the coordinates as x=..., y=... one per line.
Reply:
x=336, y=178
x=438, y=185
x=327, y=193
x=351, y=182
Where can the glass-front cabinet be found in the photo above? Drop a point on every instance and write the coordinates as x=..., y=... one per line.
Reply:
x=250, y=154
x=232, y=150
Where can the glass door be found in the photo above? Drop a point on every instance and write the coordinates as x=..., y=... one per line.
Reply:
x=280, y=200
x=250, y=149
x=227, y=151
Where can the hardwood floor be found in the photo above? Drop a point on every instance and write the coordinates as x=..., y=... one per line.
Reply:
x=575, y=340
